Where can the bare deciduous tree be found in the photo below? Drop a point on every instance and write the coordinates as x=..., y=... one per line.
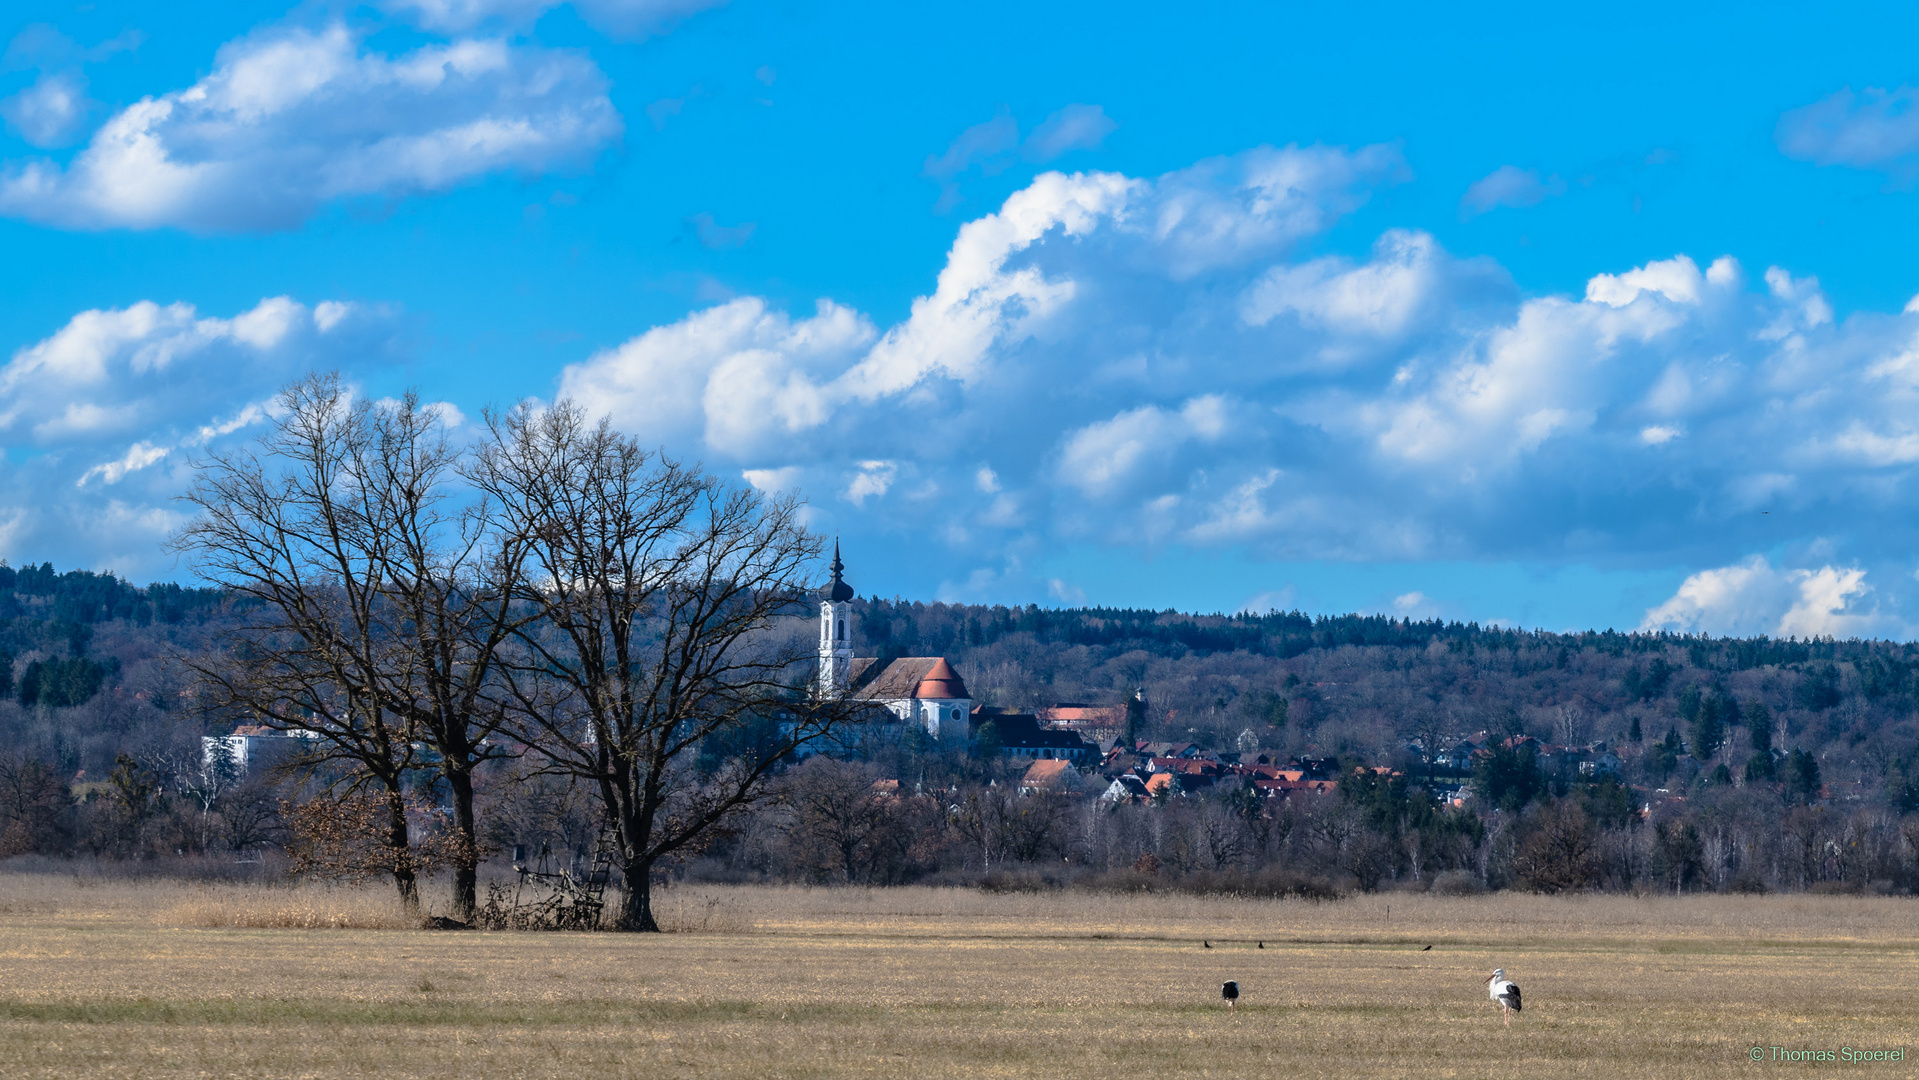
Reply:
x=836, y=815
x=370, y=604
x=648, y=669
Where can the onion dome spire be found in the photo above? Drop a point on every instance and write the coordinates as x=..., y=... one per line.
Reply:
x=838, y=591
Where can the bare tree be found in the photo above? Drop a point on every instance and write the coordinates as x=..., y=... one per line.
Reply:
x=649, y=670
x=370, y=605
x=836, y=815
x=1562, y=852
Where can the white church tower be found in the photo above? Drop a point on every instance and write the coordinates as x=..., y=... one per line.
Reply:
x=836, y=645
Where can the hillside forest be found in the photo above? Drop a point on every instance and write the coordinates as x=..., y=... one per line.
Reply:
x=1744, y=764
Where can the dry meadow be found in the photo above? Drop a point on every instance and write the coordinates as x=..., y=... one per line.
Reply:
x=114, y=979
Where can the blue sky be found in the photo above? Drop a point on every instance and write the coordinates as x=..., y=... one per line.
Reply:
x=1556, y=318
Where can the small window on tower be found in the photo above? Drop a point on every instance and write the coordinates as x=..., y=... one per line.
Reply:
x=842, y=624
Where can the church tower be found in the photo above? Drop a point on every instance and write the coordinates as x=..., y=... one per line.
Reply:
x=836, y=645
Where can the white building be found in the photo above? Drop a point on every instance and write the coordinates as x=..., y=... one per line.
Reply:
x=924, y=690
x=251, y=748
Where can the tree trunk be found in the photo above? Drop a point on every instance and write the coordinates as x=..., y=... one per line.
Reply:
x=466, y=867
x=636, y=899
x=397, y=839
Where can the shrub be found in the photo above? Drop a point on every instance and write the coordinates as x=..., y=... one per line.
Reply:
x=1457, y=883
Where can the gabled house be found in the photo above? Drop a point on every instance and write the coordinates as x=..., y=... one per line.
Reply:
x=1022, y=735
x=1605, y=763
x=1096, y=723
x=1052, y=777
x=1192, y=773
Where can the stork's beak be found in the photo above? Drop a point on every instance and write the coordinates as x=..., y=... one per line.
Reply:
x=1489, y=978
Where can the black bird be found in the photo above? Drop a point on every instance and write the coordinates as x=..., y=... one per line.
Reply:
x=1262, y=944
x=1208, y=944
x=1230, y=991
x=1428, y=948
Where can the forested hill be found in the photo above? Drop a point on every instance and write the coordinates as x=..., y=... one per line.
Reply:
x=82, y=678
x=906, y=626
x=40, y=595
x=80, y=674
x=1363, y=686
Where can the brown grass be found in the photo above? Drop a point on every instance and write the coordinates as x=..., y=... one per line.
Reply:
x=125, y=980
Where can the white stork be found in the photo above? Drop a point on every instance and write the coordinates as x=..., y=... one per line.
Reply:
x=1505, y=991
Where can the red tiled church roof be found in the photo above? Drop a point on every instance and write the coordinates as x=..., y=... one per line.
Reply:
x=941, y=682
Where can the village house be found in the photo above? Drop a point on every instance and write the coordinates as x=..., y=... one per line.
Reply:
x=251, y=749
x=1052, y=777
x=1096, y=723
x=1022, y=735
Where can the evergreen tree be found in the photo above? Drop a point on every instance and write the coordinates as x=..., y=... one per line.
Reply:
x=30, y=685
x=1759, y=728
x=1690, y=700
x=1708, y=728
x=1136, y=717
x=1507, y=778
x=1665, y=756
x=1802, y=777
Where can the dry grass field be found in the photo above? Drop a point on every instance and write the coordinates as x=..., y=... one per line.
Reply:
x=165, y=980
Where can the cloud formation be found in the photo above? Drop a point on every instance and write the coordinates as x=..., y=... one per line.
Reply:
x=54, y=109
x=1508, y=185
x=50, y=111
x=1875, y=129
x=1145, y=362
x=291, y=119
x=1752, y=598
x=100, y=418
x=627, y=19
x=993, y=146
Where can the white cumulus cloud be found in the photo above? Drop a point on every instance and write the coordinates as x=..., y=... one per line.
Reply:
x=100, y=418
x=291, y=119
x=1145, y=361
x=1753, y=597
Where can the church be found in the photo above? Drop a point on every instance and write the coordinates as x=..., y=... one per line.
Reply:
x=923, y=690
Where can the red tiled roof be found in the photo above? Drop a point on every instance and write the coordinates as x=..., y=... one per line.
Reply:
x=900, y=679
x=941, y=681
x=1056, y=774
x=1189, y=766
x=1106, y=715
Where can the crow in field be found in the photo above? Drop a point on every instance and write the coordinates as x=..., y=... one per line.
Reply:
x=1262, y=944
x=1208, y=944
x=1428, y=948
